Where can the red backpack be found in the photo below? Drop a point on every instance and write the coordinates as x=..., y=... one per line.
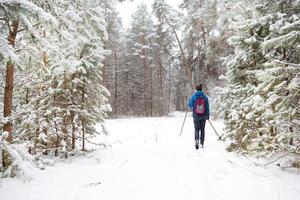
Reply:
x=200, y=107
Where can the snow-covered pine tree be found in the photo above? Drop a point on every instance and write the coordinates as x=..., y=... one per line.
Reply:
x=59, y=97
x=203, y=41
x=19, y=21
x=113, y=64
x=170, y=21
x=249, y=33
x=279, y=85
x=139, y=40
x=163, y=58
x=78, y=97
x=261, y=102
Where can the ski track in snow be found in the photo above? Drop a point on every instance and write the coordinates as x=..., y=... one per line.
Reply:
x=147, y=161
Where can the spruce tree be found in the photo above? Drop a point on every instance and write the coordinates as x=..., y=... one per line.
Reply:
x=260, y=103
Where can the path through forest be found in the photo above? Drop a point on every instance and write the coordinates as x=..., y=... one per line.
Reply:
x=149, y=161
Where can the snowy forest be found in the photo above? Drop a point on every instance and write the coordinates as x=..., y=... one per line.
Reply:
x=68, y=65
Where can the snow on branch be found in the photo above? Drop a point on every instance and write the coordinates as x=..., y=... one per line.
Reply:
x=6, y=51
x=282, y=41
x=29, y=7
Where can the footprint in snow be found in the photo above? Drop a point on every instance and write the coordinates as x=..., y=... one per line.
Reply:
x=89, y=185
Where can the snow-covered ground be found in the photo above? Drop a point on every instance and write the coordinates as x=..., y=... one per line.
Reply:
x=149, y=161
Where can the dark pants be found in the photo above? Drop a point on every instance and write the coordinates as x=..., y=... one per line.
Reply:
x=200, y=126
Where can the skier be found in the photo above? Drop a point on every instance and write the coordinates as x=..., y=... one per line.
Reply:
x=200, y=105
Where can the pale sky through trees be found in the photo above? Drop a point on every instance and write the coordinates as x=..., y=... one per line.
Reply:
x=128, y=7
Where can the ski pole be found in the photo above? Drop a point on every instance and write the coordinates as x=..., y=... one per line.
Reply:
x=183, y=123
x=215, y=130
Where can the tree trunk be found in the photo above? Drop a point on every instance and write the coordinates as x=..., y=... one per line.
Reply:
x=150, y=99
x=116, y=84
x=36, y=137
x=170, y=92
x=9, y=82
x=65, y=129
x=127, y=91
x=145, y=89
x=160, y=79
x=8, y=94
x=55, y=123
x=57, y=145
x=73, y=130
x=186, y=67
x=83, y=134
x=73, y=142
x=83, y=120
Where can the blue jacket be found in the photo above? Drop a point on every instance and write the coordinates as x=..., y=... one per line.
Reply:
x=192, y=102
